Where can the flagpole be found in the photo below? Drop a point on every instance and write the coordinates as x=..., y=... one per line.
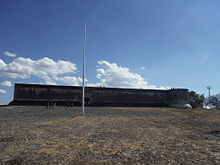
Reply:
x=83, y=80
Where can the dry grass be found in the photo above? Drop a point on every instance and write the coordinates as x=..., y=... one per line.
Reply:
x=36, y=135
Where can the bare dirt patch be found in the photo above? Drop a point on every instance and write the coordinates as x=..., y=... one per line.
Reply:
x=37, y=135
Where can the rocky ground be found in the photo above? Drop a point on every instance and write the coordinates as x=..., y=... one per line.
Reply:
x=61, y=135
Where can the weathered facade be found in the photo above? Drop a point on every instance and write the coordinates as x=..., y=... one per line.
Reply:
x=35, y=94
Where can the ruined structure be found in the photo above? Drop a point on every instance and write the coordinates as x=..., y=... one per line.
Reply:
x=35, y=94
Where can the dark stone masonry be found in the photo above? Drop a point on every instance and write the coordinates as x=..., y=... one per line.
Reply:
x=36, y=94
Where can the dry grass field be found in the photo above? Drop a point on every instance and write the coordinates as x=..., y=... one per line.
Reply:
x=37, y=135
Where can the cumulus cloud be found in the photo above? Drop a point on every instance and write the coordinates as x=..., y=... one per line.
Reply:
x=112, y=75
x=45, y=68
x=57, y=72
x=6, y=83
x=2, y=91
x=9, y=54
x=69, y=80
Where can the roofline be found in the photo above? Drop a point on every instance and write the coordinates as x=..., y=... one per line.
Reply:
x=66, y=86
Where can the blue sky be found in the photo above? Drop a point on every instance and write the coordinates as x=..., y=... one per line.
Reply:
x=131, y=43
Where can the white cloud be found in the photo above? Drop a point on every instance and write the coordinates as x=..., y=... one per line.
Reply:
x=45, y=68
x=55, y=72
x=70, y=80
x=9, y=54
x=112, y=75
x=142, y=68
x=6, y=83
x=2, y=91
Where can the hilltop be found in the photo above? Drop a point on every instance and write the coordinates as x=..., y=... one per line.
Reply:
x=61, y=135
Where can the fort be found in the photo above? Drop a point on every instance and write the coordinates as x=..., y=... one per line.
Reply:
x=37, y=94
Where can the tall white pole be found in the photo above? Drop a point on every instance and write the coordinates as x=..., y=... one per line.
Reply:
x=83, y=80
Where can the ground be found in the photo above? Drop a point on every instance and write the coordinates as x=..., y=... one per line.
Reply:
x=62, y=135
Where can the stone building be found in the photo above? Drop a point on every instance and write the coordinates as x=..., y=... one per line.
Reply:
x=36, y=94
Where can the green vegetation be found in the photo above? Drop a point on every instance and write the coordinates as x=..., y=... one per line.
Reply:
x=196, y=100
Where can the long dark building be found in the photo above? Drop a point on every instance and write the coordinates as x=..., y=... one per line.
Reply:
x=36, y=94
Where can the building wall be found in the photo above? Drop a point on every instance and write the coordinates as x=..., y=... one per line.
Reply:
x=35, y=94
x=129, y=97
